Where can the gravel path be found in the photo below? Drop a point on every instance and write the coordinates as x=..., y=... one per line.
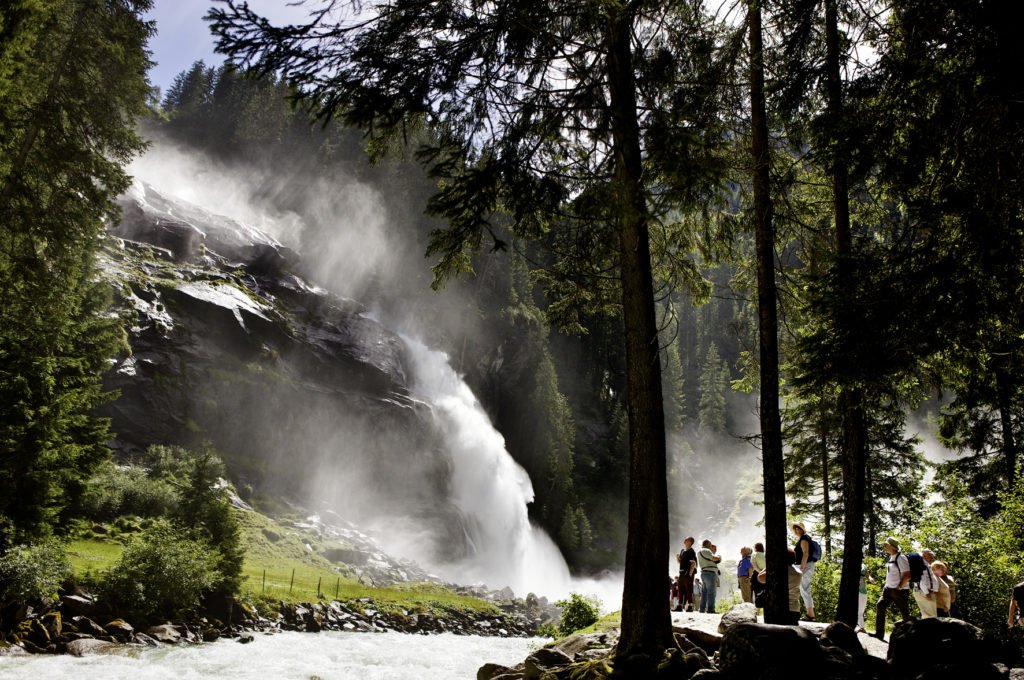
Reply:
x=709, y=623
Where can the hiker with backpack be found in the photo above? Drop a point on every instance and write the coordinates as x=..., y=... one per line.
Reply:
x=924, y=583
x=808, y=552
x=897, y=586
x=707, y=562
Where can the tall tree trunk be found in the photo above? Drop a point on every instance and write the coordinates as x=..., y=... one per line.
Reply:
x=646, y=621
x=851, y=398
x=1004, y=399
x=777, y=610
x=826, y=505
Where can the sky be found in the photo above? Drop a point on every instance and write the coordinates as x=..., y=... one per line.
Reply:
x=183, y=37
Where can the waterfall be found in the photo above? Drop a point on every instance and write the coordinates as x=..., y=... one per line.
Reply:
x=488, y=487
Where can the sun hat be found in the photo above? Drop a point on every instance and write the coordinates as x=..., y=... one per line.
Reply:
x=893, y=542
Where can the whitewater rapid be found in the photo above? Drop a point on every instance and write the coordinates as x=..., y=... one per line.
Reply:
x=287, y=656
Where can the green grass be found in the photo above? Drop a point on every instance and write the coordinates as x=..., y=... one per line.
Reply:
x=276, y=559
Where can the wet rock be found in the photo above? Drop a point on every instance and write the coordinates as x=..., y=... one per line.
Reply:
x=245, y=638
x=88, y=646
x=211, y=635
x=144, y=639
x=744, y=612
x=491, y=670
x=165, y=633
x=7, y=649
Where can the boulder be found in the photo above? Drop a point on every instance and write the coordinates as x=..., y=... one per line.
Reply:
x=1017, y=674
x=77, y=605
x=165, y=633
x=7, y=649
x=245, y=638
x=744, y=612
x=574, y=645
x=120, y=629
x=53, y=623
x=843, y=637
x=489, y=671
x=544, y=660
x=144, y=639
x=767, y=651
x=918, y=645
x=88, y=626
x=87, y=646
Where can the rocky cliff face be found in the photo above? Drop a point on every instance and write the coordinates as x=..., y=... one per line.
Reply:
x=229, y=346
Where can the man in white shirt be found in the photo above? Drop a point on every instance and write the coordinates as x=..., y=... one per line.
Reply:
x=897, y=586
x=925, y=590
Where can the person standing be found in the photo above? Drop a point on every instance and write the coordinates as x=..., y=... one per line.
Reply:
x=943, y=598
x=707, y=562
x=862, y=596
x=926, y=589
x=743, y=573
x=897, y=586
x=1016, y=615
x=793, y=577
x=807, y=560
x=687, y=565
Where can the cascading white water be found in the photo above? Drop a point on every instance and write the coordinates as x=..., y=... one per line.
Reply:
x=490, y=490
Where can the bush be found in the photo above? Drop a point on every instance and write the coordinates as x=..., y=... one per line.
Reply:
x=161, y=574
x=126, y=490
x=578, y=612
x=33, y=572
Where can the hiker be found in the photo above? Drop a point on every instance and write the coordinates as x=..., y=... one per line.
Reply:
x=1016, y=616
x=943, y=601
x=924, y=583
x=897, y=586
x=794, y=577
x=862, y=596
x=707, y=562
x=743, y=573
x=805, y=549
x=687, y=559
x=947, y=578
x=760, y=564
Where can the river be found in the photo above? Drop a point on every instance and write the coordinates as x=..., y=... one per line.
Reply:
x=287, y=656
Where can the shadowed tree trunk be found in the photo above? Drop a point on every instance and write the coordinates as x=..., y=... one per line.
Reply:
x=646, y=621
x=777, y=610
x=851, y=397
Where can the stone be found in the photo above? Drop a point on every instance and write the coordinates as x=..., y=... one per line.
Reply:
x=573, y=645
x=744, y=612
x=211, y=635
x=120, y=629
x=87, y=646
x=165, y=633
x=7, y=649
x=1017, y=674
x=917, y=645
x=489, y=671
x=767, y=651
x=144, y=639
x=77, y=605
x=88, y=626
x=245, y=638
x=840, y=635
x=544, y=660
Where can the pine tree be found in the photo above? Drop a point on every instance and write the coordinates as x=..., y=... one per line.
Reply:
x=713, y=415
x=71, y=87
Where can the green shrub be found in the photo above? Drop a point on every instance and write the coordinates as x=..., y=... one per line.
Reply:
x=161, y=574
x=578, y=612
x=33, y=572
x=126, y=490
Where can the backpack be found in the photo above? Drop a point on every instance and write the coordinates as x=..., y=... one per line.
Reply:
x=917, y=567
x=815, y=549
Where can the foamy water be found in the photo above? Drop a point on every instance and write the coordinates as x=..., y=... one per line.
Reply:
x=287, y=656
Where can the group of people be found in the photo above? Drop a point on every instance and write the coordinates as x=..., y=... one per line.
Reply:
x=933, y=588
